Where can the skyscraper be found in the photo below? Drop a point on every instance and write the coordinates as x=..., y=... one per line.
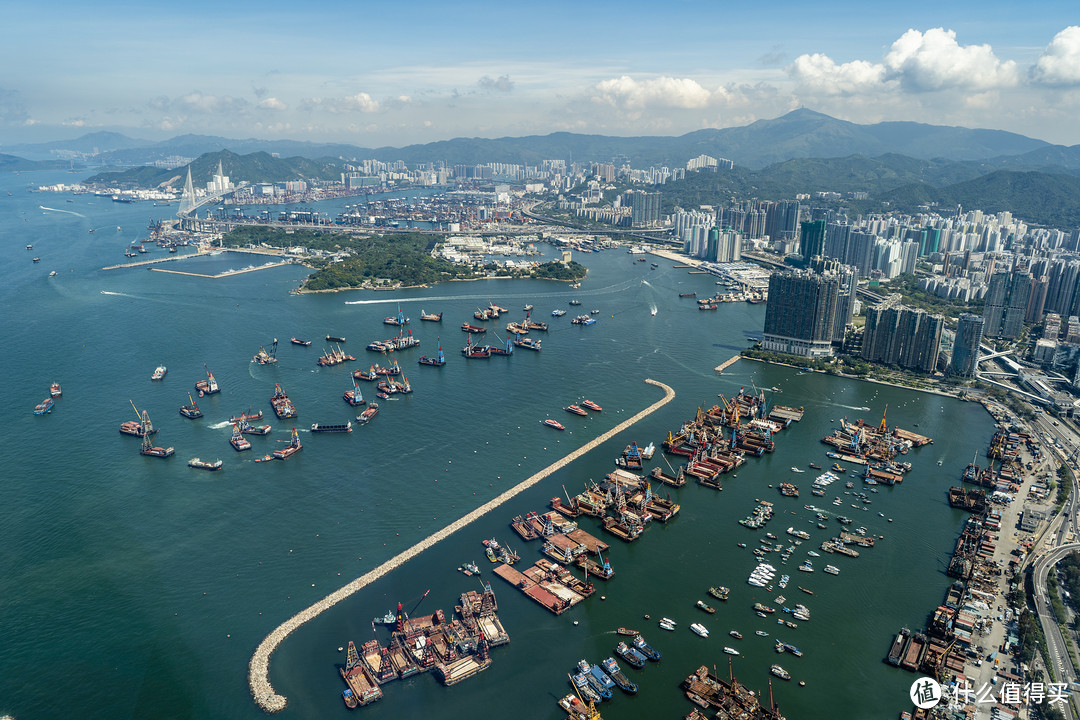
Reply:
x=812, y=242
x=1006, y=304
x=969, y=334
x=800, y=316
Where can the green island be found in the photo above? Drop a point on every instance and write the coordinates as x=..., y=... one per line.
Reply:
x=344, y=261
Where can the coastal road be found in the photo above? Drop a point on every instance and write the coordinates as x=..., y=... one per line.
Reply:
x=1055, y=643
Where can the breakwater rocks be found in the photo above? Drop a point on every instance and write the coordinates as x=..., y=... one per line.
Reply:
x=259, y=666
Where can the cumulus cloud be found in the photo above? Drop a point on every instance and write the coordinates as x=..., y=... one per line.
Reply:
x=916, y=62
x=204, y=103
x=74, y=122
x=503, y=83
x=626, y=93
x=820, y=74
x=360, y=102
x=272, y=103
x=1059, y=63
x=934, y=61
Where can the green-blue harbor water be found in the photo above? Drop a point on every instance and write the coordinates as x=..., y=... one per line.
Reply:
x=138, y=587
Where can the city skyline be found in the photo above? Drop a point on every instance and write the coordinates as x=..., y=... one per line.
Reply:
x=380, y=75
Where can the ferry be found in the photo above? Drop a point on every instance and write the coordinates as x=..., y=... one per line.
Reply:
x=430, y=317
x=554, y=424
x=191, y=411
x=159, y=372
x=591, y=405
x=303, y=343
x=54, y=390
x=204, y=464
x=371, y=411
x=558, y=313
x=575, y=409
x=44, y=406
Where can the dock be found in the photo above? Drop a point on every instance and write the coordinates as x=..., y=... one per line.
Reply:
x=262, y=691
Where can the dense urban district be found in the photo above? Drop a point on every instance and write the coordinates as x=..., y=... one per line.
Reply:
x=860, y=279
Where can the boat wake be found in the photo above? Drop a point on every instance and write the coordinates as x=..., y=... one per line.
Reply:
x=68, y=212
x=220, y=425
x=118, y=294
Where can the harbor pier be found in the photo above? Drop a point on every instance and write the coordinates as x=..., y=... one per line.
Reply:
x=259, y=666
x=727, y=363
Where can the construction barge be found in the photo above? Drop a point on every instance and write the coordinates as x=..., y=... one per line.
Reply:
x=453, y=650
x=876, y=447
x=730, y=699
x=549, y=584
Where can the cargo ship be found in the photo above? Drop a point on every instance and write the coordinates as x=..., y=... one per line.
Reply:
x=430, y=317
x=44, y=406
x=369, y=412
x=289, y=450
x=302, y=343
x=208, y=386
x=281, y=404
x=335, y=338
x=317, y=428
x=204, y=464
x=192, y=410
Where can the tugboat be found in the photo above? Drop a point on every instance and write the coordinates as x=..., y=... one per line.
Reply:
x=354, y=397
x=204, y=464
x=369, y=412
x=238, y=441
x=208, y=386
x=191, y=411
x=159, y=372
x=289, y=450
x=55, y=391
x=302, y=343
x=554, y=424
x=249, y=429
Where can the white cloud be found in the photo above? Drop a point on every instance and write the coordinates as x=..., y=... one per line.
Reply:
x=626, y=93
x=360, y=102
x=74, y=122
x=935, y=61
x=1059, y=63
x=819, y=73
x=272, y=103
x=503, y=83
x=203, y=103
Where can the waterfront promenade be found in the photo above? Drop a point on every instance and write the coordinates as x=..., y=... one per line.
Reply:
x=259, y=666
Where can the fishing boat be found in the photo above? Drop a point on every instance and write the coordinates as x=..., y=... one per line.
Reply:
x=554, y=424
x=204, y=464
x=52, y=273
x=289, y=450
x=780, y=672
x=558, y=313
x=282, y=405
x=529, y=307
x=192, y=410
x=324, y=428
x=44, y=406
x=631, y=655
x=719, y=592
x=758, y=607
x=430, y=317
x=354, y=397
x=262, y=357
x=208, y=386
x=591, y=405
x=761, y=633
x=159, y=372
x=699, y=629
x=55, y=390
x=815, y=466
x=575, y=410
x=706, y=607
x=625, y=631
x=735, y=634
x=369, y=412
x=303, y=343
x=583, y=320
x=238, y=441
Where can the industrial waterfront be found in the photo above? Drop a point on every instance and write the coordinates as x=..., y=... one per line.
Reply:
x=158, y=582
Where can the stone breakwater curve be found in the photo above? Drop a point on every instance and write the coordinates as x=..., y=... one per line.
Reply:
x=259, y=666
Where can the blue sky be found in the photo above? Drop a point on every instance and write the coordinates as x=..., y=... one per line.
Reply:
x=411, y=72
